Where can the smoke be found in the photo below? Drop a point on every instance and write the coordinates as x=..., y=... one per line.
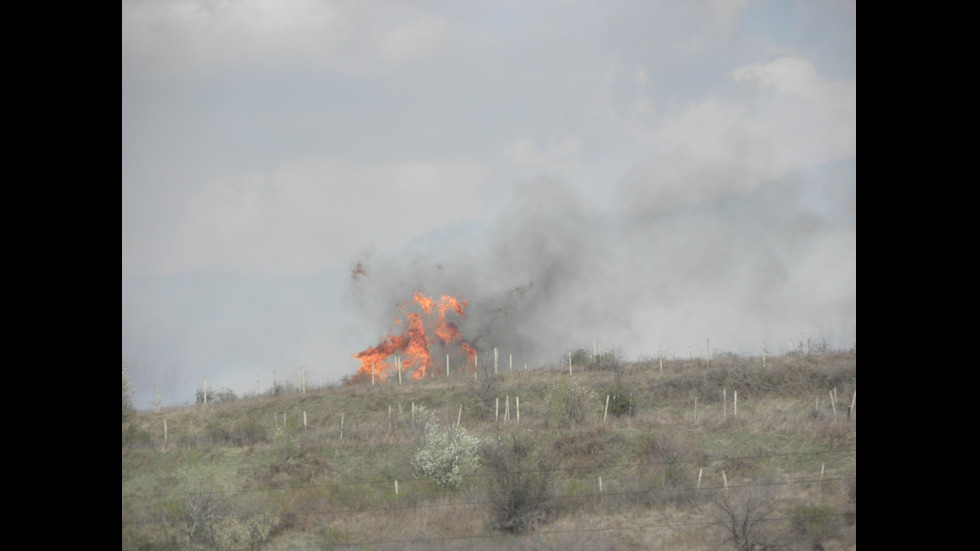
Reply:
x=554, y=272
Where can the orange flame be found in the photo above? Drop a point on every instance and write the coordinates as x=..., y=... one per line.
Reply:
x=414, y=342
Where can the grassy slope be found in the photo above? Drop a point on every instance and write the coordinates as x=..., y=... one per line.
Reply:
x=250, y=473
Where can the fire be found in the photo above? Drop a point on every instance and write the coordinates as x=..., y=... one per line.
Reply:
x=414, y=342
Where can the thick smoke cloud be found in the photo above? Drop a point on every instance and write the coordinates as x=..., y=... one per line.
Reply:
x=554, y=274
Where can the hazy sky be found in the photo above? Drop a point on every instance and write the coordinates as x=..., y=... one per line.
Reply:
x=640, y=173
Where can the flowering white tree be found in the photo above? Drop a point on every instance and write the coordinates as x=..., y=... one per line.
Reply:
x=444, y=454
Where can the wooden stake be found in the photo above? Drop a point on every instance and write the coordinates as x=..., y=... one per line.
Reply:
x=850, y=410
x=569, y=362
x=701, y=470
x=833, y=403
x=507, y=409
x=735, y=403
x=725, y=480
x=164, y=431
x=496, y=412
x=460, y=416
x=341, y=426
x=518, y=400
x=304, y=420
x=606, y=410
x=396, y=488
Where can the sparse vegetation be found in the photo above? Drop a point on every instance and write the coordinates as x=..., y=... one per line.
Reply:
x=249, y=473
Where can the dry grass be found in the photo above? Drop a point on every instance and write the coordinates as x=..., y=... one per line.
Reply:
x=324, y=487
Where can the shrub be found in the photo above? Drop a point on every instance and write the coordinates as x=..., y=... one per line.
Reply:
x=742, y=512
x=207, y=521
x=484, y=388
x=223, y=395
x=444, y=454
x=520, y=483
x=570, y=401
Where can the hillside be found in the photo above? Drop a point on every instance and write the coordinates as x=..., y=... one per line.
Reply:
x=686, y=457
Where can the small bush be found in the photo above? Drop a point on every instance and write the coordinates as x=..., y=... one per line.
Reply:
x=444, y=455
x=223, y=395
x=206, y=521
x=570, y=401
x=237, y=433
x=742, y=512
x=520, y=484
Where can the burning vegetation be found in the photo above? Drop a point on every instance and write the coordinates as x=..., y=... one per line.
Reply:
x=412, y=337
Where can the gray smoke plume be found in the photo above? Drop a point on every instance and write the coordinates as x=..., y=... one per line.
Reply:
x=554, y=274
